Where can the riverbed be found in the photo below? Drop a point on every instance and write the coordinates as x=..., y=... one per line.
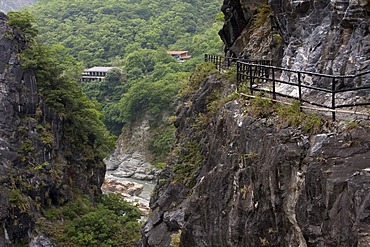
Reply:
x=147, y=189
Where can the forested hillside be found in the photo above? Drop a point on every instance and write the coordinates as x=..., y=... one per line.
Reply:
x=134, y=35
x=103, y=32
x=60, y=137
x=51, y=151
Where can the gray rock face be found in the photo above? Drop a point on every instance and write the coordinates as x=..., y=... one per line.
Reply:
x=41, y=241
x=236, y=19
x=129, y=159
x=18, y=98
x=133, y=165
x=35, y=173
x=10, y=93
x=260, y=183
x=330, y=36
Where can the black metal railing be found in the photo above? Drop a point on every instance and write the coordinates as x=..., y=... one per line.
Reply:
x=221, y=62
x=262, y=76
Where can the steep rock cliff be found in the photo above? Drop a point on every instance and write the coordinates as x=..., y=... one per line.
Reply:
x=131, y=156
x=323, y=36
x=240, y=180
x=237, y=180
x=37, y=168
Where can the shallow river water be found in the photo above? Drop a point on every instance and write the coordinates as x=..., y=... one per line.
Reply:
x=148, y=185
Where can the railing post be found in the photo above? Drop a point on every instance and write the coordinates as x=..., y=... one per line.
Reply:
x=244, y=74
x=267, y=70
x=219, y=64
x=237, y=73
x=333, y=98
x=299, y=90
x=250, y=78
x=205, y=57
x=273, y=83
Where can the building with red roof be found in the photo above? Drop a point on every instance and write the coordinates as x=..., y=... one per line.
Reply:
x=181, y=56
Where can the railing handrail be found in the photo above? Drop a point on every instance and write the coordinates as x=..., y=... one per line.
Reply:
x=307, y=72
x=254, y=69
x=249, y=62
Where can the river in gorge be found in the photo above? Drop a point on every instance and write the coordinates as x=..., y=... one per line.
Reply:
x=144, y=196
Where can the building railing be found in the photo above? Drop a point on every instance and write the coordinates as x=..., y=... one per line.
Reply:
x=303, y=83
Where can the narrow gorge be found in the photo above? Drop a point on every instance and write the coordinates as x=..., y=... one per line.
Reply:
x=243, y=171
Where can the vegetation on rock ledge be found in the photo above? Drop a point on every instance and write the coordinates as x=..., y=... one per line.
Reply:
x=112, y=222
x=57, y=74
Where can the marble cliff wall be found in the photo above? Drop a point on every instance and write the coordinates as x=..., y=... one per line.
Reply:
x=237, y=180
x=330, y=36
x=35, y=171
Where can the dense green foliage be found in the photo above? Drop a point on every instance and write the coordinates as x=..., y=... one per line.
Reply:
x=57, y=74
x=24, y=22
x=134, y=35
x=108, y=92
x=161, y=143
x=101, y=32
x=151, y=86
x=112, y=222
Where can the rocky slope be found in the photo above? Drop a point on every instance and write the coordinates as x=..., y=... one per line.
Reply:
x=131, y=156
x=130, y=165
x=14, y=5
x=37, y=168
x=326, y=36
x=240, y=180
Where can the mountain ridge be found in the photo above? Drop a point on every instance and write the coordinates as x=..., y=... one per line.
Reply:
x=14, y=5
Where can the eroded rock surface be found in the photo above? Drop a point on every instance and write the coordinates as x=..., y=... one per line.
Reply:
x=131, y=157
x=125, y=188
x=327, y=36
x=35, y=170
x=258, y=182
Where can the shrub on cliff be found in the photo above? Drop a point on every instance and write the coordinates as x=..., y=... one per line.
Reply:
x=113, y=222
x=57, y=74
x=23, y=22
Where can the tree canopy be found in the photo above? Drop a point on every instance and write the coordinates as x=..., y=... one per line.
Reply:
x=25, y=22
x=135, y=36
x=57, y=74
x=97, y=32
